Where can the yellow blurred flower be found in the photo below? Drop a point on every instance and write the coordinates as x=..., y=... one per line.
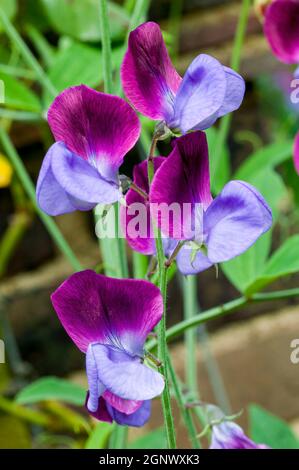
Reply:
x=5, y=172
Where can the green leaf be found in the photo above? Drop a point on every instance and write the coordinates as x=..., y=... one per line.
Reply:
x=220, y=175
x=80, y=19
x=265, y=428
x=283, y=262
x=153, y=440
x=10, y=9
x=18, y=96
x=75, y=64
x=243, y=270
x=265, y=158
x=52, y=388
x=98, y=438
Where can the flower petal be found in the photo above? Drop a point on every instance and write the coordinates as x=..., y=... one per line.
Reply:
x=95, y=308
x=281, y=29
x=138, y=418
x=187, y=265
x=235, y=90
x=135, y=216
x=125, y=376
x=51, y=197
x=102, y=413
x=148, y=77
x=234, y=221
x=181, y=182
x=201, y=95
x=296, y=153
x=97, y=127
x=124, y=406
x=80, y=180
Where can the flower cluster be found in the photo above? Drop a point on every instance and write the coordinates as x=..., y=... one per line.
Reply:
x=110, y=319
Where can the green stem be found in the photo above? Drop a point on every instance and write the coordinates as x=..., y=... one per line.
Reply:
x=223, y=310
x=190, y=307
x=17, y=72
x=28, y=57
x=106, y=47
x=32, y=416
x=235, y=64
x=50, y=225
x=185, y=412
x=14, y=115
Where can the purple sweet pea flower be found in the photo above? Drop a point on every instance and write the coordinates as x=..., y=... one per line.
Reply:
x=228, y=435
x=208, y=90
x=109, y=320
x=281, y=29
x=93, y=133
x=224, y=227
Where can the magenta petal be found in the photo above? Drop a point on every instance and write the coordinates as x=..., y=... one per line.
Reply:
x=98, y=127
x=137, y=419
x=102, y=413
x=148, y=77
x=237, y=217
x=200, y=95
x=296, y=153
x=182, y=181
x=124, y=406
x=96, y=308
x=126, y=376
x=281, y=29
x=137, y=209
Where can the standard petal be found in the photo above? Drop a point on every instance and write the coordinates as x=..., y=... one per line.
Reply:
x=97, y=127
x=200, y=95
x=80, y=180
x=181, y=182
x=95, y=308
x=187, y=265
x=137, y=419
x=281, y=29
x=234, y=221
x=135, y=216
x=296, y=153
x=148, y=77
x=51, y=197
x=235, y=90
x=126, y=376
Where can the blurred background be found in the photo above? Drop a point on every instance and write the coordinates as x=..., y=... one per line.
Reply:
x=247, y=357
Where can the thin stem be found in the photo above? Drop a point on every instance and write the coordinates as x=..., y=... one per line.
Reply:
x=106, y=47
x=161, y=330
x=32, y=416
x=185, y=412
x=138, y=190
x=14, y=115
x=190, y=307
x=235, y=64
x=28, y=57
x=50, y=225
x=223, y=310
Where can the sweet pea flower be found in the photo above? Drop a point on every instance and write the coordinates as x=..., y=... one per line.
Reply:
x=93, y=133
x=281, y=29
x=109, y=320
x=220, y=229
x=228, y=435
x=208, y=90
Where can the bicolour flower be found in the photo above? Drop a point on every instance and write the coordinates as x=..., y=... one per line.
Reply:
x=208, y=90
x=214, y=230
x=93, y=133
x=109, y=320
x=281, y=29
x=228, y=435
